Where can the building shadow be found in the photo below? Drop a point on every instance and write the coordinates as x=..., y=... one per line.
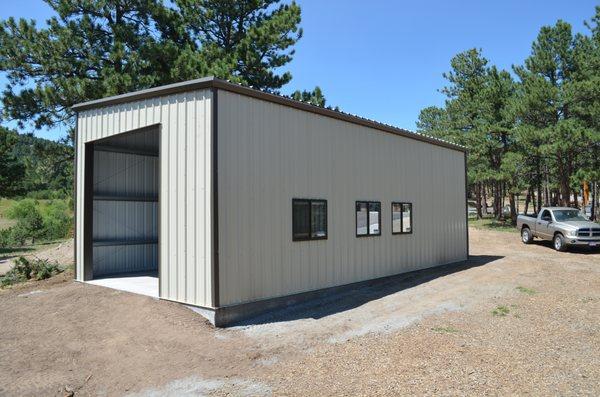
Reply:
x=340, y=299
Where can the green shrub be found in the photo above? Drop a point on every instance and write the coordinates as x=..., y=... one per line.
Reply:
x=48, y=221
x=23, y=267
x=31, y=226
x=57, y=222
x=46, y=195
x=6, y=239
x=11, y=278
x=44, y=269
x=24, y=270
x=20, y=209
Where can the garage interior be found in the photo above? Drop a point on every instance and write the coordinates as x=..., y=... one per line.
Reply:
x=121, y=237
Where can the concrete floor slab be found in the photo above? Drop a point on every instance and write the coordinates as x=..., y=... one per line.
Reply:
x=142, y=284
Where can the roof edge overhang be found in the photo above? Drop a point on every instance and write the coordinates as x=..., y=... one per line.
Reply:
x=212, y=82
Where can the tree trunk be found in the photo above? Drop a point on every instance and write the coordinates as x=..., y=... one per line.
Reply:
x=513, y=210
x=547, y=195
x=497, y=200
x=485, y=207
x=478, y=199
x=527, y=200
x=594, y=197
x=565, y=192
x=539, y=197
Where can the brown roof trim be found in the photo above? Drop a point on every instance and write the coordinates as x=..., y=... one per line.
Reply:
x=184, y=86
x=210, y=82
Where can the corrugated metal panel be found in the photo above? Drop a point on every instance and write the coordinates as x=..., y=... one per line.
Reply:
x=269, y=154
x=125, y=258
x=185, y=188
x=122, y=174
x=127, y=231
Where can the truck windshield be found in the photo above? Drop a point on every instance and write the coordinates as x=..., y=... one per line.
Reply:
x=568, y=215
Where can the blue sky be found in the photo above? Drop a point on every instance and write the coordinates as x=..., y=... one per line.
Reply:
x=385, y=61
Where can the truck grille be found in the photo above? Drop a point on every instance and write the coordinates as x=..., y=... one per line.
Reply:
x=588, y=232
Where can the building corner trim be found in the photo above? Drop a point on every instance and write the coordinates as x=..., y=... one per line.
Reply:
x=75, y=177
x=215, y=197
x=467, y=203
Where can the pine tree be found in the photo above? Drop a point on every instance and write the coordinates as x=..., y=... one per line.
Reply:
x=12, y=169
x=92, y=49
x=584, y=92
x=477, y=114
x=243, y=40
x=314, y=97
x=89, y=50
x=544, y=107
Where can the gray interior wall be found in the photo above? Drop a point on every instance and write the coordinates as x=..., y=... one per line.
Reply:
x=125, y=214
x=269, y=154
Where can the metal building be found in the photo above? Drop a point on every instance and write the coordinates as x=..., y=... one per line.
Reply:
x=232, y=199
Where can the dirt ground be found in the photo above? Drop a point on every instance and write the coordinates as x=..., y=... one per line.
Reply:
x=514, y=319
x=61, y=252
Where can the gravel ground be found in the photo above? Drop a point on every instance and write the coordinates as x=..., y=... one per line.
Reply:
x=515, y=319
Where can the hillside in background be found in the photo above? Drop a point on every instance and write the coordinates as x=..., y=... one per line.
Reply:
x=34, y=167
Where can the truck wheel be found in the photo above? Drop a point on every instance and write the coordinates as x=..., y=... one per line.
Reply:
x=526, y=235
x=559, y=243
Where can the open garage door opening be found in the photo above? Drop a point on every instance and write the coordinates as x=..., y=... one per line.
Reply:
x=121, y=211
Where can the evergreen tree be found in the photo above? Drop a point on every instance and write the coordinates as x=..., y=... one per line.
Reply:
x=477, y=114
x=544, y=109
x=89, y=50
x=539, y=135
x=435, y=122
x=34, y=165
x=314, y=97
x=584, y=92
x=12, y=170
x=92, y=49
x=243, y=40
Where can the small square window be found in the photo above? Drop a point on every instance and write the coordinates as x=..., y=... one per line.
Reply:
x=401, y=218
x=309, y=219
x=368, y=218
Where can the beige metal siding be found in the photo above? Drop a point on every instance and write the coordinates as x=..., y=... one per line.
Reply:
x=269, y=154
x=185, y=185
